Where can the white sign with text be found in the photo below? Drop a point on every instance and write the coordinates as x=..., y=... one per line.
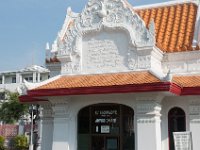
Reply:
x=182, y=140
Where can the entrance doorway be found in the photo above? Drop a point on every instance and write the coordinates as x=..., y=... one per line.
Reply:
x=176, y=123
x=106, y=127
x=105, y=143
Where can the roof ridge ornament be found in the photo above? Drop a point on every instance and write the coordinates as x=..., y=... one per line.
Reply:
x=69, y=11
x=103, y=12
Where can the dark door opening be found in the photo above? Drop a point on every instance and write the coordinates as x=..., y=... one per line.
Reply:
x=176, y=123
x=105, y=143
x=106, y=127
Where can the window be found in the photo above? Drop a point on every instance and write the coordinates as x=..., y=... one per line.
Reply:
x=2, y=96
x=0, y=80
x=29, y=79
x=37, y=79
x=13, y=79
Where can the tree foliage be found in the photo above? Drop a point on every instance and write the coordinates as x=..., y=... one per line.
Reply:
x=20, y=142
x=2, y=140
x=12, y=109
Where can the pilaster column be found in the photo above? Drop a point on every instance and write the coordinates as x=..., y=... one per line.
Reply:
x=61, y=125
x=38, y=77
x=18, y=77
x=45, y=138
x=40, y=124
x=34, y=77
x=3, y=79
x=194, y=110
x=148, y=132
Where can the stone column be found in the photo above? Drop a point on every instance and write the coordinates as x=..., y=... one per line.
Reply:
x=17, y=77
x=61, y=125
x=34, y=77
x=38, y=77
x=194, y=111
x=40, y=124
x=20, y=78
x=148, y=125
x=3, y=79
x=45, y=128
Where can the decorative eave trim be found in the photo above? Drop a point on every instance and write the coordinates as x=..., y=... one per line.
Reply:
x=175, y=89
x=102, y=90
x=153, y=87
x=190, y=91
x=29, y=99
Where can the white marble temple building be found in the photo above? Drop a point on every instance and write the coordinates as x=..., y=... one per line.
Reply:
x=128, y=78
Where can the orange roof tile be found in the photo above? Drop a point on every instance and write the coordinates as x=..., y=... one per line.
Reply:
x=174, y=25
x=130, y=78
x=187, y=81
x=101, y=80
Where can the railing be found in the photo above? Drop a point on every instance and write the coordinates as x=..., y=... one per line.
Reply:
x=9, y=131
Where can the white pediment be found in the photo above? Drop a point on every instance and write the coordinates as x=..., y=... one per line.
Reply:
x=106, y=51
x=107, y=35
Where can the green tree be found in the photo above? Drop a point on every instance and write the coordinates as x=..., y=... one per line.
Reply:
x=12, y=109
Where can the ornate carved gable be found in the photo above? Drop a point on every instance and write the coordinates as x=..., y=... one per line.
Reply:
x=98, y=17
x=115, y=14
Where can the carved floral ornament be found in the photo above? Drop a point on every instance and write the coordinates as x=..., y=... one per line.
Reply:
x=99, y=14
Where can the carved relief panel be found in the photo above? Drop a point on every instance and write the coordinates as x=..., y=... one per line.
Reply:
x=106, y=51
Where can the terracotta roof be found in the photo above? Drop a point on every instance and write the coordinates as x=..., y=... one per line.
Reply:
x=174, y=25
x=187, y=81
x=116, y=79
x=101, y=80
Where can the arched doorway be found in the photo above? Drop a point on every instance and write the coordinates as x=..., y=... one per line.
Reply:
x=106, y=127
x=176, y=123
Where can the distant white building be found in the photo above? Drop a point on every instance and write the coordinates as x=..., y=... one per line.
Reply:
x=10, y=80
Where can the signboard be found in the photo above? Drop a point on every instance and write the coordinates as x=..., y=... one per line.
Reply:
x=182, y=140
x=105, y=129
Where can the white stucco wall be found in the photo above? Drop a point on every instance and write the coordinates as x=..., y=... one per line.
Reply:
x=148, y=125
x=66, y=110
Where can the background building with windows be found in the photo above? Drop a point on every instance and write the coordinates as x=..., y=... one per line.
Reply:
x=128, y=78
x=11, y=80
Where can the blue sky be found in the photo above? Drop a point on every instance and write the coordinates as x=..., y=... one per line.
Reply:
x=26, y=25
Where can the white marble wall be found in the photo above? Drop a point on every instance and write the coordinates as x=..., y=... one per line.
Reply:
x=150, y=120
